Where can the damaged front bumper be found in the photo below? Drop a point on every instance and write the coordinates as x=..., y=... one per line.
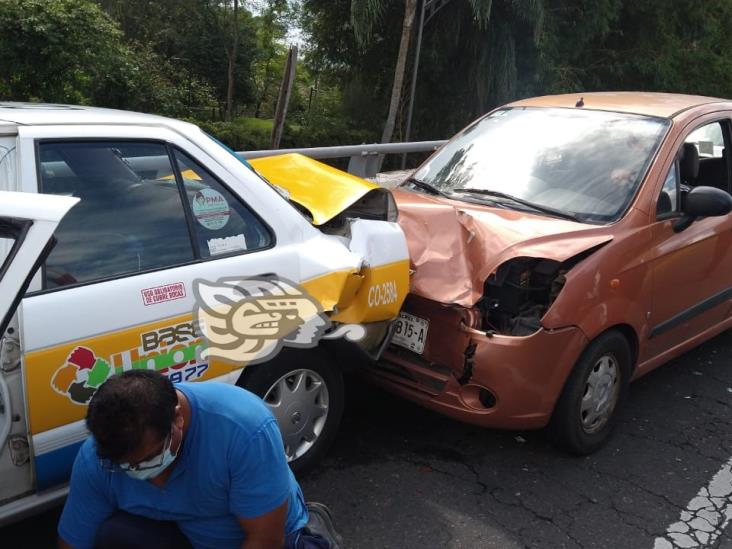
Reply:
x=494, y=381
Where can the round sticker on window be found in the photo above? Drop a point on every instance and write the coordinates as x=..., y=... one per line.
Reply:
x=211, y=209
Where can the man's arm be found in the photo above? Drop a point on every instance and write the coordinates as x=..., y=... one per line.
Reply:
x=261, y=486
x=265, y=532
x=87, y=505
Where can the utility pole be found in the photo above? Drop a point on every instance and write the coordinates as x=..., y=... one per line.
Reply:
x=429, y=9
x=231, y=53
x=288, y=79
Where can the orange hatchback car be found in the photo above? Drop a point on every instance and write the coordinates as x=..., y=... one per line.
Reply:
x=561, y=247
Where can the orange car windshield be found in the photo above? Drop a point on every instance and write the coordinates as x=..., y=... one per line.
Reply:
x=582, y=164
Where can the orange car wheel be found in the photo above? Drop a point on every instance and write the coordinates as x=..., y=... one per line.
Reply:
x=585, y=413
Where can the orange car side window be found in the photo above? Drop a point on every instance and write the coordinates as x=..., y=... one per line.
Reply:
x=668, y=200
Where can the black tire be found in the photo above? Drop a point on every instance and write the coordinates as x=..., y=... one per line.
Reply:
x=260, y=379
x=572, y=427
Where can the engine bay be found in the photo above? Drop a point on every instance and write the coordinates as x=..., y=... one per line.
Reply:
x=520, y=292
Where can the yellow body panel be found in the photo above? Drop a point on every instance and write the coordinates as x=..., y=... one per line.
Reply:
x=328, y=289
x=49, y=372
x=187, y=174
x=325, y=191
x=380, y=296
x=173, y=345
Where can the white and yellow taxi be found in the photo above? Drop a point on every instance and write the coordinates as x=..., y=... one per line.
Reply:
x=134, y=241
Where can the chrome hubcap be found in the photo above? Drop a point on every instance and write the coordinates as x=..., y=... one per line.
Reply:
x=299, y=401
x=602, y=389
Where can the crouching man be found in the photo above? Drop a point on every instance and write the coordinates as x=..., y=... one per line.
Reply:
x=196, y=465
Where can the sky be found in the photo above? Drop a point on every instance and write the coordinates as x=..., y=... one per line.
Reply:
x=294, y=35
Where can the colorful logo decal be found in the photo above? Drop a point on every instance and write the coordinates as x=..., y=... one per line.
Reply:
x=248, y=321
x=174, y=351
x=81, y=376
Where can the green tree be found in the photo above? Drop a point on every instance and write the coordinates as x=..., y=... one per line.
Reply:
x=193, y=38
x=681, y=46
x=272, y=24
x=61, y=50
x=469, y=67
x=161, y=24
x=572, y=45
x=70, y=51
x=364, y=14
x=227, y=12
x=475, y=54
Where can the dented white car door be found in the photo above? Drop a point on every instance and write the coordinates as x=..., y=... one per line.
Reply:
x=27, y=224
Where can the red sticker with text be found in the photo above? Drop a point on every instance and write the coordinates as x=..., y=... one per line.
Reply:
x=160, y=294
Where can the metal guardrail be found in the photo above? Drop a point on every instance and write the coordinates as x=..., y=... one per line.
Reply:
x=365, y=160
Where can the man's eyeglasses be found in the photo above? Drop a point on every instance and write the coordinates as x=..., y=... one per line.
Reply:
x=152, y=463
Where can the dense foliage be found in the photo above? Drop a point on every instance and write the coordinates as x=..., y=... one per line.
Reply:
x=220, y=62
x=479, y=54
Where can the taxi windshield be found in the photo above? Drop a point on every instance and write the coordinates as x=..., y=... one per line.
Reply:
x=582, y=164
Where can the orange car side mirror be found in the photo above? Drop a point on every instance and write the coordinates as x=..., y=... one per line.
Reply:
x=703, y=202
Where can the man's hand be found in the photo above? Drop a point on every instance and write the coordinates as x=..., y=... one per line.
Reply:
x=267, y=531
x=63, y=545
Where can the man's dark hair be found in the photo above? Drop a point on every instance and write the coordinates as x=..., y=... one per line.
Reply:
x=125, y=406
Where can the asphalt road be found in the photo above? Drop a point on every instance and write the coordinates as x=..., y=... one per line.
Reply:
x=402, y=477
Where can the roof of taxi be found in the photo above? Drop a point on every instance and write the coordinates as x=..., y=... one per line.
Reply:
x=31, y=114
x=666, y=105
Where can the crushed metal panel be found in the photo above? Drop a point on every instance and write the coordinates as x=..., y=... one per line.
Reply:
x=454, y=247
x=323, y=190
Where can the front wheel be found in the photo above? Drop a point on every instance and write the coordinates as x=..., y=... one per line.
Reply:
x=584, y=416
x=305, y=393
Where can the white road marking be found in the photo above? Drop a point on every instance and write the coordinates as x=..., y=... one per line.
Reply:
x=706, y=516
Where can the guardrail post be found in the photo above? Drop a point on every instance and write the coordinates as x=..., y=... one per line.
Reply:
x=365, y=164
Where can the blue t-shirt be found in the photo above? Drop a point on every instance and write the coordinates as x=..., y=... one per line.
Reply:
x=232, y=464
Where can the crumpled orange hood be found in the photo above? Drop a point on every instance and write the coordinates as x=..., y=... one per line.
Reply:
x=455, y=246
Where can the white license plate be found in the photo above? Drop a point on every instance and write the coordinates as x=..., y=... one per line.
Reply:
x=410, y=332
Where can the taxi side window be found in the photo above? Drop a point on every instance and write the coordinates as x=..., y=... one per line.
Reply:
x=8, y=172
x=668, y=200
x=130, y=218
x=6, y=244
x=222, y=224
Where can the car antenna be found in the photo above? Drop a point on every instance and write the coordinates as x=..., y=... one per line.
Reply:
x=580, y=103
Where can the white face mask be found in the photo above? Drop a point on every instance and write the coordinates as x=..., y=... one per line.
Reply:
x=153, y=467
